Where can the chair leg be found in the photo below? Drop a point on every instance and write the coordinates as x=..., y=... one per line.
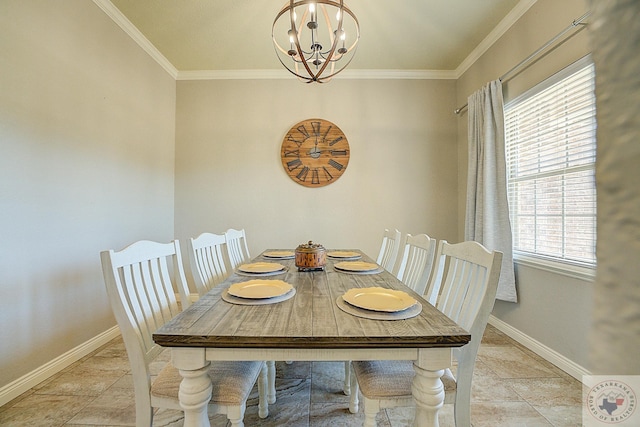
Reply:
x=235, y=415
x=462, y=399
x=371, y=409
x=461, y=416
x=271, y=382
x=144, y=415
x=462, y=406
x=263, y=406
x=347, y=378
x=355, y=388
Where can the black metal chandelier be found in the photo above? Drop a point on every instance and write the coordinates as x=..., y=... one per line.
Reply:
x=315, y=39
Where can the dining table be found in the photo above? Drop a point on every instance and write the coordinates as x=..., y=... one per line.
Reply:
x=311, y=322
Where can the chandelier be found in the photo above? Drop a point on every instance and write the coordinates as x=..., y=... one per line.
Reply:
x=315, y=39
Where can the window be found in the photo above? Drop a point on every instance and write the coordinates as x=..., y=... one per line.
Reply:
x=550, y=134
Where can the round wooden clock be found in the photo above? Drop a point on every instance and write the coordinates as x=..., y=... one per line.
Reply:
x=315, y=153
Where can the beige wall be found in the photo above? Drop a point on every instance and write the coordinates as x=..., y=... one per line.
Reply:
x=552, y=308
x=86, y=164
x=402, y=170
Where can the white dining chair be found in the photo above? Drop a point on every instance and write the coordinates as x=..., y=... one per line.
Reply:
x=416, y=264
x=465, y=283
x=389, y=249
x=237, y=248
x=207, y=262
x=208, y=268
x=414, y=270
x=141, y=282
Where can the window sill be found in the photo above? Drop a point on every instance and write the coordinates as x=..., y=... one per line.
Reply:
x=570, y=270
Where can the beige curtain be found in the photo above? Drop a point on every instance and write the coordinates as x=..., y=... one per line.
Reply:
x=487, y=215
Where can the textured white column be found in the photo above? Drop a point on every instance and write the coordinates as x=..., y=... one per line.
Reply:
x=614, y=31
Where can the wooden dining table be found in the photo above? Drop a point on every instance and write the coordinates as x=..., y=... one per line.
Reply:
x=309, y=326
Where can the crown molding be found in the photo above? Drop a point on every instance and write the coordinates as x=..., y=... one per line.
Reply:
x=347, y=74
x=126, y=25
x=234, y=75
x=507, y=22
x=397, y=74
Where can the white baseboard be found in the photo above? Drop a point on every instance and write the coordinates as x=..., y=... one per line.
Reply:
x=550, y=355
x=35, y=377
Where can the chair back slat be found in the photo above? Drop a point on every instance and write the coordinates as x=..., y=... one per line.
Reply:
x=472, y=301
x=237, y=248
x=152, y=286
x=389, y=249
x=135, y=280
x=162, y=297
x=417, y=262
x=207, y=261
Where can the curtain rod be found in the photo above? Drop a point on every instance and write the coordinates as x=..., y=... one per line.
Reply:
x=542, y=48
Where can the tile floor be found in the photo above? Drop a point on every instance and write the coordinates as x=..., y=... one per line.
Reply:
x=512, y=387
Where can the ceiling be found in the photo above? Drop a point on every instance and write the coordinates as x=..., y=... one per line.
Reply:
x=199, y=35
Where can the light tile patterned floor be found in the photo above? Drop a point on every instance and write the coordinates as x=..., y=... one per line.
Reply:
x=512, y=387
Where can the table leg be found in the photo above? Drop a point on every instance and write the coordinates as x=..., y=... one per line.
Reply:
x=195, y=388
x=427, y=388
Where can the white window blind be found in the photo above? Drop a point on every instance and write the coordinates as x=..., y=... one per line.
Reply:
x=551, y=149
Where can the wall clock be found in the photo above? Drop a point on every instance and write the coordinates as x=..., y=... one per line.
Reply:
x=315, y=153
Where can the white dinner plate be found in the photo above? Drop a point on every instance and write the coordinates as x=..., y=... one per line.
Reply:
x=379, y=299
x=344, y=255
x=259, y=289
x=261, y=267
x=279, y=254
x=356, y=266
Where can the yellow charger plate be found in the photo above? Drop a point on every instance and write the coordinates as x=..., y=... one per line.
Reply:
x=379, y=299
x=279, y=254
x=260, y=289
x=344, y=254
x=261, y=267
x=356, y=266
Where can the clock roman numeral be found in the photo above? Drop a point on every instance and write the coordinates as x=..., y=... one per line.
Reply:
x=327, y=175
x=291, y=153
x=338, y=152
x=324, y=138
x=335, y=164
x=316, y=128
x=303, y=130
x=335, y=141
x=315, y=178
x=302, y=175
x=295, y=141
x=293, y=164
